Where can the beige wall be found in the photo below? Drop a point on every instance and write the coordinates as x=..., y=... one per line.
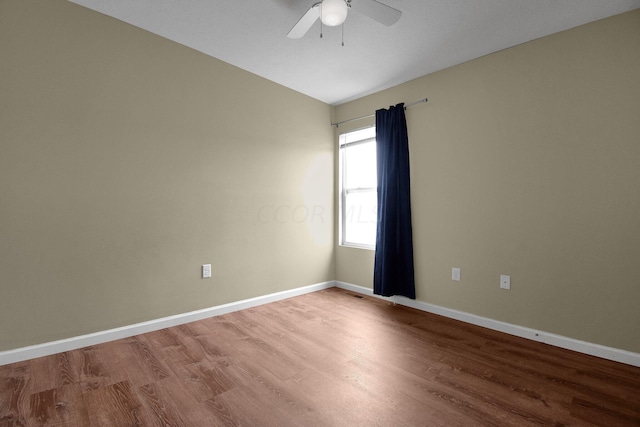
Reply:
x=527, y=163
x=128, y=161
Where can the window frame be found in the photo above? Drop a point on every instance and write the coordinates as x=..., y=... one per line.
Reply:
x=345, y=191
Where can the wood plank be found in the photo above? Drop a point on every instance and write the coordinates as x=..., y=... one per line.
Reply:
x=13, y=393
x=138, y=358
x=62, y=406
x=116, y=405
x=160, y=405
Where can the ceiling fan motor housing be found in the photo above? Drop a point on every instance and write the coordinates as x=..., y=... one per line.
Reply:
x=333, y=12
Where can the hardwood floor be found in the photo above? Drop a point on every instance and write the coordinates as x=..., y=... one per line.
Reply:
x=330, y=358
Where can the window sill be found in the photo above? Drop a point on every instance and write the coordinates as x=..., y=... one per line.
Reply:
x=356, y=246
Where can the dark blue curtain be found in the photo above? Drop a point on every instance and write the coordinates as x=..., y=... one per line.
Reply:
x=393, y=268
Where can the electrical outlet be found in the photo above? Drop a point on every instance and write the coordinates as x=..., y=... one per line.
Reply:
x=505, y=282
x=455, y=274
x=206, y=271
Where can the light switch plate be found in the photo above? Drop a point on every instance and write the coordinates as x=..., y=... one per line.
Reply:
x=455, y=274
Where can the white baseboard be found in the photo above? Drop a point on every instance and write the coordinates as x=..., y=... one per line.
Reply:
x=49, y=348
x=597, y=350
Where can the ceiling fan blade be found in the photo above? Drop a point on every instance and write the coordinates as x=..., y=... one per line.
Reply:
x=305, y=23
x=378, y=11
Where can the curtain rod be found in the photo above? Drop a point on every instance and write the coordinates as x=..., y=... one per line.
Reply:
x=372, y=115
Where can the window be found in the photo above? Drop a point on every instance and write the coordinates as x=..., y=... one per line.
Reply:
x=358, y=188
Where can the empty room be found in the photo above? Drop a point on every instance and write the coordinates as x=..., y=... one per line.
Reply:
x=334, y=213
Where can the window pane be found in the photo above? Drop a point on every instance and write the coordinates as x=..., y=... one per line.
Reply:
x=358, y=135
x=360, y=218
x=358, y=201
x=360, y=166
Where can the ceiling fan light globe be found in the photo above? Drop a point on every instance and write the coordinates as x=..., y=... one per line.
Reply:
x=333, y=12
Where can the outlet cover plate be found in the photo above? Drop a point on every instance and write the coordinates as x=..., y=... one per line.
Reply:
x=505, y=282
x=206, y=271
x=455, y=274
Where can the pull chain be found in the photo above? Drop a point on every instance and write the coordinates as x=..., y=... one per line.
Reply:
x=320, y=20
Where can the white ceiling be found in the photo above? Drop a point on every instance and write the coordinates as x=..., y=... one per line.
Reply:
x=431, y=35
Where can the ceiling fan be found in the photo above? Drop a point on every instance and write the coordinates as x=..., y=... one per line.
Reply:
x=334, y=12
